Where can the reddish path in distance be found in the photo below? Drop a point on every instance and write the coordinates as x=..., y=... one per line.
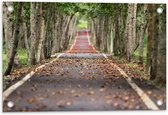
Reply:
x=81, y=44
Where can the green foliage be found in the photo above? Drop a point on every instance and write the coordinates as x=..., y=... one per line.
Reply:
x=22, y=53
x=82, y=24
x=4, y=61
x=26, y=11
x=22, y=57
x=68, y=8
x=136, y=54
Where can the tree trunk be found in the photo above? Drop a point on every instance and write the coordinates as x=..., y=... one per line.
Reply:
x=32, y=57
x=161, y=58
x=142, y=33
x=150, y=39
x=131, y=31
x=105, y=35
x=26, y=38
x=8, y=23
x=155, y=44
x=15, y=39
x=41, y=34
x=116, y=36
x=66, y=38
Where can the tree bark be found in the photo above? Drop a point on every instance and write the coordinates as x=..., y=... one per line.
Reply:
x=32, y=57
x=131, y=31
x=160, y=77
x=142, y=33
x=14, y=40
x=155, y=44
x=150, y=39
x=116, y=44
x=7, y=23
x=41, y=34
x=26, y=38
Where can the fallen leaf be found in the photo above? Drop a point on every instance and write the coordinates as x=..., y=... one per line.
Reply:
x=31, y=100
x=126, y=98
x=68, y=103
x=60, y=92
x=116, y=104
x=91, y=93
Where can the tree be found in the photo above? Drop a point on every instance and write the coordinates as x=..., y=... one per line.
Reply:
x=131, y=31
x=41, y=34
x=32, y=58
x=161, y=58
x=150, y=39
x=7, y=25
x=14, y=40
x=143, y=26
x=156, y=52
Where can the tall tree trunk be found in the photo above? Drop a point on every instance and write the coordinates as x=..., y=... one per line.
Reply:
x=14, y=40
x=142, y=33
x=150, y=39
x=116, y=36
x=7, y=23
x=105, y=35
x=66, y=38
x=131, y=31
x=41, y=34
x=26, y=38
x=32, y=56
x=155, y=44
x=71, y=32
x=161, y=58
x=97, y=32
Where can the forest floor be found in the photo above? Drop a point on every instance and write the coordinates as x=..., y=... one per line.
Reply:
x=83, y=79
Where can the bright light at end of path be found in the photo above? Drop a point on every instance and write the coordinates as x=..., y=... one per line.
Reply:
x=10, y=104
x=10, y=8
x=159, y=10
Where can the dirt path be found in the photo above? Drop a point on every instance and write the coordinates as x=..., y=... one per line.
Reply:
x=80, y=79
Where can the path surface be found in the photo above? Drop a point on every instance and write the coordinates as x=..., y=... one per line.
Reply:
x=82, y=44
x=80, y=79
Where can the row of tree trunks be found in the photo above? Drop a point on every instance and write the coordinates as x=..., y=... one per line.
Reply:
x=66, y=34
x=126, y=39
x=62, y=32
x=71, y=32
x=100, y=30
x=156, y=47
